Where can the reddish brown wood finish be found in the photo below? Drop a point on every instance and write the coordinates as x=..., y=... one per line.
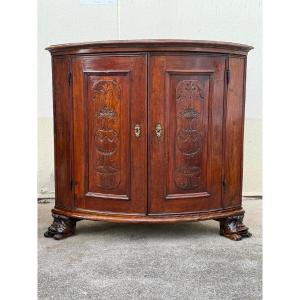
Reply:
x=150, y=45
x=221, y=214
x=234, y=133
x=110, y=171
x=186, y=96
x=149, y=131
x=62, y=104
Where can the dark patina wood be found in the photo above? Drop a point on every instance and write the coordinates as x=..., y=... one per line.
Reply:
x=61, y=227
x=233, y=228
x=149, y=131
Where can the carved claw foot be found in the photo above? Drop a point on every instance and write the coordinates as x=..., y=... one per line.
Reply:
x=61, y=227
x=233, y=228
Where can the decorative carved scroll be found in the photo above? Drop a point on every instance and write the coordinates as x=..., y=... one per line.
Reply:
x=106, y=97
x=188, y=135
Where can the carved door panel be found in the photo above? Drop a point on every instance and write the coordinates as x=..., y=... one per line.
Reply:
x=110, y=141
x=185, y=132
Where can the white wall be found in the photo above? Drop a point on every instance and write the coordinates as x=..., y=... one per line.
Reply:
x=63, y=21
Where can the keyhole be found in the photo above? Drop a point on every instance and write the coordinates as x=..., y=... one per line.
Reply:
x=137, y=130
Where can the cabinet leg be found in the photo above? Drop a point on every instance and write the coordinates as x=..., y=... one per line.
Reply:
x=61, y=227
x=233, y=228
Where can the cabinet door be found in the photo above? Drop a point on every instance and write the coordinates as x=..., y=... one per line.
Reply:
x=185, y=132
x=110, y=142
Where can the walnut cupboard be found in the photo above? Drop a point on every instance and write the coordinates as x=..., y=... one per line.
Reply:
x=149, y=131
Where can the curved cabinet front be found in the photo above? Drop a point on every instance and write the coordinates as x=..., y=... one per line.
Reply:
x=148, y=136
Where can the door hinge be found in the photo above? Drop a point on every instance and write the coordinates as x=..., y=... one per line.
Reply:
x=70, y=78
x=224, y=185
x=71, y=184
x=227, y=74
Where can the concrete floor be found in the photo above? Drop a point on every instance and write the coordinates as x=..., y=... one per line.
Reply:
x=127, y=261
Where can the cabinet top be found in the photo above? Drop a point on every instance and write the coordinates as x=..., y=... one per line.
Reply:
x=149, y=45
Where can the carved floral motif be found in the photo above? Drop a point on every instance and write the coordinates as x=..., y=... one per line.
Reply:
x=188, y=90
x=107, y=113
x=188, y=136
x=106, y=95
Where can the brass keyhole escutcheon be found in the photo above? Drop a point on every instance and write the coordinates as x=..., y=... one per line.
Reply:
x=137, y=130
x=158, y=130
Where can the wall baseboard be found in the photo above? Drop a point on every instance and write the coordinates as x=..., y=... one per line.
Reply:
x=45, y=200
x=256, y=197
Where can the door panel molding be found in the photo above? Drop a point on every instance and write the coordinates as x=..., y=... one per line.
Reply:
x=108, y=196
x=104, y=159
x=187, y=196
x=188, y=139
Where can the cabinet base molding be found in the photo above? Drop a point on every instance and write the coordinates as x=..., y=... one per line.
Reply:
x=231, y=221
x=233, y=228
x=61, y=227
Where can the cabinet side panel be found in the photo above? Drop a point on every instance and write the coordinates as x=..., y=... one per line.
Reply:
x=234, y=131
x=62, y=132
